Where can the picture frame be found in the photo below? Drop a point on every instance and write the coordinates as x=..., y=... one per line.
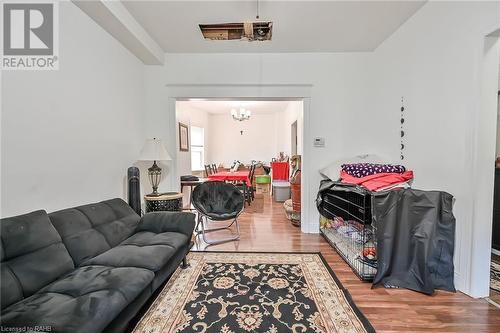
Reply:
x=183, y=137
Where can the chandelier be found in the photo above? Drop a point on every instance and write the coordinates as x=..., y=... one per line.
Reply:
x=241, y=115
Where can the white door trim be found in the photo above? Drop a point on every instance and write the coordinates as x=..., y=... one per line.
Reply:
x=483, y=170
x=252, y=91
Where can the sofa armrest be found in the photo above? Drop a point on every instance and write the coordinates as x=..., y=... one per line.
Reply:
x=159, y=222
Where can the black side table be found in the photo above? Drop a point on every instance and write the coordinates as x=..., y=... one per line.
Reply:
x=171, y=201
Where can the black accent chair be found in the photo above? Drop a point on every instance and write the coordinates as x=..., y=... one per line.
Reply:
x=217, y=201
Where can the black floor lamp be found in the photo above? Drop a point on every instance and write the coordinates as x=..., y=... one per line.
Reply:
x=154, y=150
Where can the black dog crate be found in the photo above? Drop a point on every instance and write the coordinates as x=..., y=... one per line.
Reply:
x=346, y=223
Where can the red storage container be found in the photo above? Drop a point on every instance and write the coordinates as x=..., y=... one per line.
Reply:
x=280, y=170
x=295, y=197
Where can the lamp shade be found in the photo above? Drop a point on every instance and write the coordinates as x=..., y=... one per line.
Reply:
x=154, y=150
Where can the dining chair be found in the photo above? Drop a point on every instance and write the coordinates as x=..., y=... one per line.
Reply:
x=208, y=169
x=214, y=168
x=252, y=175
x=245, y=189
x=217, y=201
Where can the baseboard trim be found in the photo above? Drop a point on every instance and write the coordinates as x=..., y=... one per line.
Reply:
x=492, y=302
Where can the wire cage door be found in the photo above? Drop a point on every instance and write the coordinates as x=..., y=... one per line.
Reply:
x=349, y=229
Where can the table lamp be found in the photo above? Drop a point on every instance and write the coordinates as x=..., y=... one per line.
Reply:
x=154, y=150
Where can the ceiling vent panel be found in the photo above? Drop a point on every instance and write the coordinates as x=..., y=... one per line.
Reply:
x=250, y=31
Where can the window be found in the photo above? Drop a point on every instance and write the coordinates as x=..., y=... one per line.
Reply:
x=197, y=148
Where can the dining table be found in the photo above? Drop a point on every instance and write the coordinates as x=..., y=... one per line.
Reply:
x=238, y=176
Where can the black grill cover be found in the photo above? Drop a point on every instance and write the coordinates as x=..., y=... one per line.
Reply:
x=415, y=232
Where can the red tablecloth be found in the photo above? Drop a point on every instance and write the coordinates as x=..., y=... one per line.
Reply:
x=240, y=176
x=280, y=170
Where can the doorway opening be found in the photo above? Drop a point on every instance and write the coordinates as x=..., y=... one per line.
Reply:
x=236, y=135
x=494, y=295
x=486, y=171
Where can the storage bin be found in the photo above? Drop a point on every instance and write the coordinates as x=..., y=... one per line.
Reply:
x=295, y=189
x=291, y=214
x=281, y=191
x=262, y=179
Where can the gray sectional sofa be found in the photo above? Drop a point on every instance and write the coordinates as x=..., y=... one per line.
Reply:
x=86, y=269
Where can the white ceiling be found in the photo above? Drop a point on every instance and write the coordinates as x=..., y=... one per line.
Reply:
x=224, y=107
x=299, y=26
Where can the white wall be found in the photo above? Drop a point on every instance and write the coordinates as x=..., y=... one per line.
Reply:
x=190, y=116
x=68, y=136
x=258, y=141
x=264, y=135
x=284, y=121
x=435, y=61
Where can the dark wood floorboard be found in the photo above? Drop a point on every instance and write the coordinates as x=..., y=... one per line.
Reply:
x=264, y=227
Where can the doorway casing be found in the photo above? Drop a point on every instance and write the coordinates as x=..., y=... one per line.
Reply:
x=290, y=92
x=294, y=138
x=483, y=135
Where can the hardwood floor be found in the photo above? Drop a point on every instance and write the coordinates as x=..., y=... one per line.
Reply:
x=264, y=228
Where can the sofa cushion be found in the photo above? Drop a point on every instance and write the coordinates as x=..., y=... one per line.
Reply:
x=32, y=256
x=144, y=249
x=158, y=222
x=86, y=300
x=148, y=238
x=90, y=230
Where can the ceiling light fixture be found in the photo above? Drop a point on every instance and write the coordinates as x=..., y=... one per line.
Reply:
x=241, y=115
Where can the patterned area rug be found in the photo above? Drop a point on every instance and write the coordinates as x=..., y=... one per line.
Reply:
x=253, y=292
x=495, y=276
